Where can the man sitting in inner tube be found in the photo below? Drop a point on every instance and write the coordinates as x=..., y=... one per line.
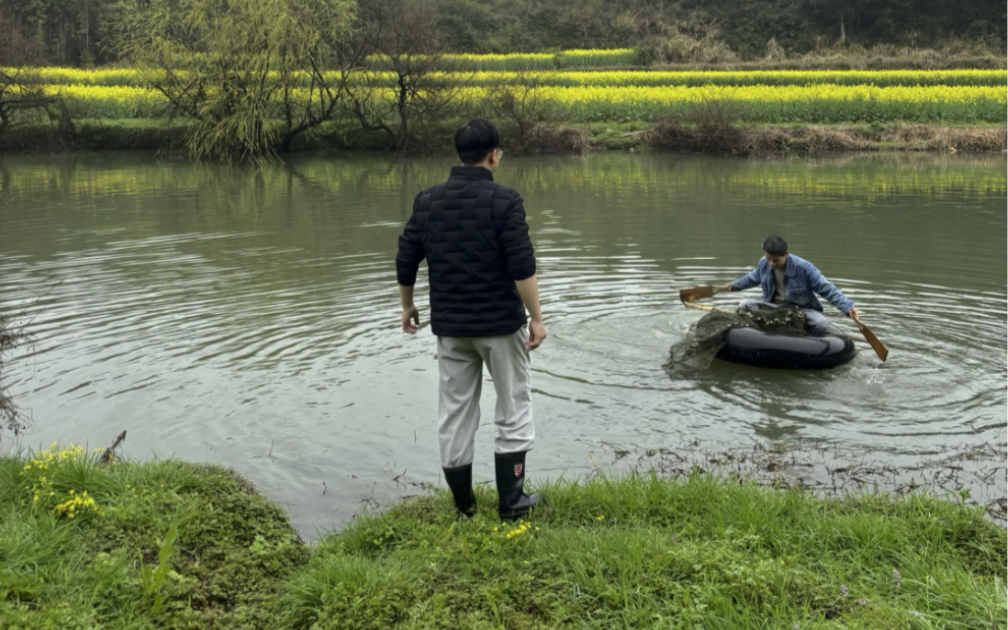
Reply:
x=788, y=279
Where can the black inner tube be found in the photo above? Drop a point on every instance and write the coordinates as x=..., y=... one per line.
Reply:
x=759, y=348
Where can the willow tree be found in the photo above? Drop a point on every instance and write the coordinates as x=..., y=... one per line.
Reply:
x=247, y=75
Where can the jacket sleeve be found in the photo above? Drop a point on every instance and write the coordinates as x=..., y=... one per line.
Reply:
x=751, y=279
x=411, y=251
x=516, y=242
x=826, y=289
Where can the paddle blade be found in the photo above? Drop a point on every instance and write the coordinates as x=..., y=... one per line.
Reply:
x=873, y=341
x=699, y=307
x=697, y=293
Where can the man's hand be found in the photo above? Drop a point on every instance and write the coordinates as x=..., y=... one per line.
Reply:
x=726, y=287
x=853, y=314
x=410, y=319
x=410, y=314
x=528, y=289
x=537, y=334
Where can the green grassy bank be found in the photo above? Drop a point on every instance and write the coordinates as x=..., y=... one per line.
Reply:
x=177, y=545
x=682, y=135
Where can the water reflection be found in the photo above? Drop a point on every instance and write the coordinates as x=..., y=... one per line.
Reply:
x=249, y=316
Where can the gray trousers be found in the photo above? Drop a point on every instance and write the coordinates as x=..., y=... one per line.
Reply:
x=460, y=364
x=815, y=321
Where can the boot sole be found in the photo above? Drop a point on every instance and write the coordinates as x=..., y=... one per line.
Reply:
x=510, y=516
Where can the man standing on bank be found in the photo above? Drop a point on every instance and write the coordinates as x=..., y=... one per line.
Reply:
x=788, y=279
x=482, y=271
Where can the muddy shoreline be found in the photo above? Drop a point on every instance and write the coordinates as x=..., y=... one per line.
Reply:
x=975, y=476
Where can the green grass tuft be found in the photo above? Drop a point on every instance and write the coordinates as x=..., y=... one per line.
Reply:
x=233, y=551
x=643, y=552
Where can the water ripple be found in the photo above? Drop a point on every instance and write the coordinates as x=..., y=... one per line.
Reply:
x=258, y=326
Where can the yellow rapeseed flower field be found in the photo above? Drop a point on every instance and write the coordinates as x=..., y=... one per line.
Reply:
x=118, y=101
x=821, y=103
x=76, y=76
x=792, y=96
x=484, y=73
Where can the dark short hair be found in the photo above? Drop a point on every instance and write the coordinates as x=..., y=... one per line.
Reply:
x=775, y=245
x=475, y=140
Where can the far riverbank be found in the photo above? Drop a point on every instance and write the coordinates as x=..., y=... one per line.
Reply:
x=717, y=138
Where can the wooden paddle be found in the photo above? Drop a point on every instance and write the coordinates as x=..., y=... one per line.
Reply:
x=698, y=293
x=701, y=307
x=876, y=345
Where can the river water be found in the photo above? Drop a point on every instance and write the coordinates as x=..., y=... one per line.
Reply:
x=249, y=317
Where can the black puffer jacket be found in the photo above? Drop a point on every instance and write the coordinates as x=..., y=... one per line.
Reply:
x=476, y=241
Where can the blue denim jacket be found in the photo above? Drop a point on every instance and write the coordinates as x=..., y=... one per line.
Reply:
x=801, y=281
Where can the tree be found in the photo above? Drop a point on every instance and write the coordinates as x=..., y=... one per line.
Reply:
x=249, y=75
x=401, y=37
x=472, y=26
x=68, y=32
x=22, y=95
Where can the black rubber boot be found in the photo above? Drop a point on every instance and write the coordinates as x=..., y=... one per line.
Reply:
x=460, y=481
x=510, y=469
